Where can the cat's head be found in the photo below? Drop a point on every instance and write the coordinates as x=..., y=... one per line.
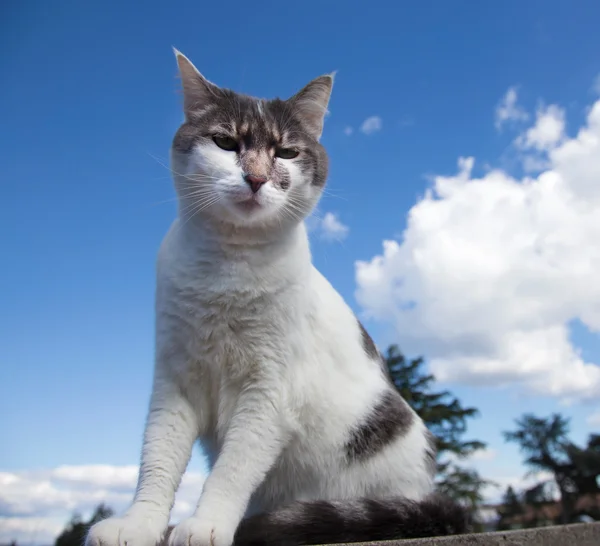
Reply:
x=246, y=161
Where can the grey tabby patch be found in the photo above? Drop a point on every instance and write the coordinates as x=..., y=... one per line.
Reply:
x=362, y=520
x=388, y=420
x=258, y=129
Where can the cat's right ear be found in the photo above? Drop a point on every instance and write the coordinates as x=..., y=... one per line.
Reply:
x=197, y=90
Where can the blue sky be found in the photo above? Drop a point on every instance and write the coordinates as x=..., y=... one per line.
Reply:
x=89, y=104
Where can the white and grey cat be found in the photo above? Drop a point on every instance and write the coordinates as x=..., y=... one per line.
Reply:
x=261, y=359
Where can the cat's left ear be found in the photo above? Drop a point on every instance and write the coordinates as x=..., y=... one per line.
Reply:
x=311, y=103
x=197, y=90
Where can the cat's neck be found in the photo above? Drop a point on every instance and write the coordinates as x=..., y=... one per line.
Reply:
x=209, y=240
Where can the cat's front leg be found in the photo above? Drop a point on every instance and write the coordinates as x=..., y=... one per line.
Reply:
x=171, y=429
x=254, y=440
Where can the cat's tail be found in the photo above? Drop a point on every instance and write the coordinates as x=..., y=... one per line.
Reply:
x=361, y=520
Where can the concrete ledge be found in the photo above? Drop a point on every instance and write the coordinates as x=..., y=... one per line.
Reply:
x=579, y=534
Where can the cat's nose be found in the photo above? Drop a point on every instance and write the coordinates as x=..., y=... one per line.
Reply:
x=255, y=182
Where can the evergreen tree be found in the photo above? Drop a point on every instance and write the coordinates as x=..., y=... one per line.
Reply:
x=463, y=484
x=511, y=507
x=539, y=494
x=446, y=418
x=546, y=445
x=75, y=532
x=585, y=465
x=442, y=412
x=543, y=441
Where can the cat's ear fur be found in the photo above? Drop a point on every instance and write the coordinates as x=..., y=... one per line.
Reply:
x=311, y=103
x=197, y=90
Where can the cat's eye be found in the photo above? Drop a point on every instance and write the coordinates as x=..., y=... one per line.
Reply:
x=286, y=153
x=225, y=143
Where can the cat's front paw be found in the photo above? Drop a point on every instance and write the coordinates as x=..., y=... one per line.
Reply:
x=197, y=531
x=126, y=531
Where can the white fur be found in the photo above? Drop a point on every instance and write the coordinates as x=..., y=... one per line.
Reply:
x=213, y=171
x=259, y=357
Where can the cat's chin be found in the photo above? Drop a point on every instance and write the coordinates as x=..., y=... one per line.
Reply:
x=250, y=205
x=251, y=213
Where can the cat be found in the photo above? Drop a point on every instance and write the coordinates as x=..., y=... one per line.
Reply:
x=260, y=358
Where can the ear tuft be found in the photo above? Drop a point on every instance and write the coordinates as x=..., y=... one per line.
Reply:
x=311, y=103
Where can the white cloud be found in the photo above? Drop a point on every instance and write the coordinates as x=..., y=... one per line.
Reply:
x=547, y=132
x=487, y=454
x=508, y=110
x=493, y=493
x=484, y=455
x=29, y=530
x=330, y=228
x=371, y=125
x=115, y=477
x=491, y=270
x=348, y=131
x=593, y=420
x=596, y=85
x=545, y=135
x=36, y=505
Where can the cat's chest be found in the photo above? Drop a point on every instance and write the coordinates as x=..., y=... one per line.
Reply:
x=231, y=339
x=230, y=327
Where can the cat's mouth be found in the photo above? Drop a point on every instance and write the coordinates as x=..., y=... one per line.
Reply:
x=252, y=203
x=252, y=206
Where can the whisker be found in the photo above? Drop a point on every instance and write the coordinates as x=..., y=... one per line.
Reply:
x=187, y=176
x=201, y=206
x=198, y=202
x=163, y=202
x=328, y=193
